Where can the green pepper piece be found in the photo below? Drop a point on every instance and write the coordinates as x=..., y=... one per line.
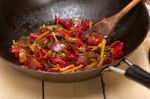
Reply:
x=72, y=40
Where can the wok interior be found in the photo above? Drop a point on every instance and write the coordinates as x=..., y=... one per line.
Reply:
x=21, y=17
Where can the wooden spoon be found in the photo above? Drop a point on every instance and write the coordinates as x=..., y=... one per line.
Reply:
x=107, y=25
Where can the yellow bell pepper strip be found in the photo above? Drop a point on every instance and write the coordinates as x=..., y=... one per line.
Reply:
x=102, y=51
x=54, y=35
x=90, y=24
x=74, y=69
x=14, y=43
x=48, y=53
x=67, y=67
x=36, y=63
x=42, y=35
x=32, y=47
x=93, y=64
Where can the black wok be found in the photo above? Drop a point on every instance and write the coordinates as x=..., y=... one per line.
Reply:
x=20, y=17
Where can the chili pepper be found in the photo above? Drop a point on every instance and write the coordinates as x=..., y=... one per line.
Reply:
x=65, y=23
x=95, y=39
x=75, y=51
x=72, y=57
x=82, y=63
x=64, y=33
x=117, y=54
x=86, y=25
x=117, y=45
x=34, y=35
x=57, y=20
x=78, y=34
x=43, y=51
x=50, y=36
x=59, y=61
x=16, y=51
x=88, y=49
x=98, y=38
x=79, y=44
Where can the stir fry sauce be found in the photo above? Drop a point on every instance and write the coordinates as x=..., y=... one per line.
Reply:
x=65, y=46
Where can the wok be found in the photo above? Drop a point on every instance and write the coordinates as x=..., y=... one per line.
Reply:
x=21, y=17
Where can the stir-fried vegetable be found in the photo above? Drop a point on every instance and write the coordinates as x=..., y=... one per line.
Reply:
x=65, y=47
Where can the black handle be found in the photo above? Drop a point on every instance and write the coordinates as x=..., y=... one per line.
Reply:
x=137, y=74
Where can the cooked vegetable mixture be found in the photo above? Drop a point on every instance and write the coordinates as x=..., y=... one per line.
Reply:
x=66, y=46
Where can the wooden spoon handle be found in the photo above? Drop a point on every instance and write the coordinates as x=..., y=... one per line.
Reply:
x=126, y=9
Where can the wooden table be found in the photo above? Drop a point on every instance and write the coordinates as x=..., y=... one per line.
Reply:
x=16, y=85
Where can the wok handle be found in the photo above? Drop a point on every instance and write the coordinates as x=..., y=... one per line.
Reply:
x=134, y=72
x=137, y=74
